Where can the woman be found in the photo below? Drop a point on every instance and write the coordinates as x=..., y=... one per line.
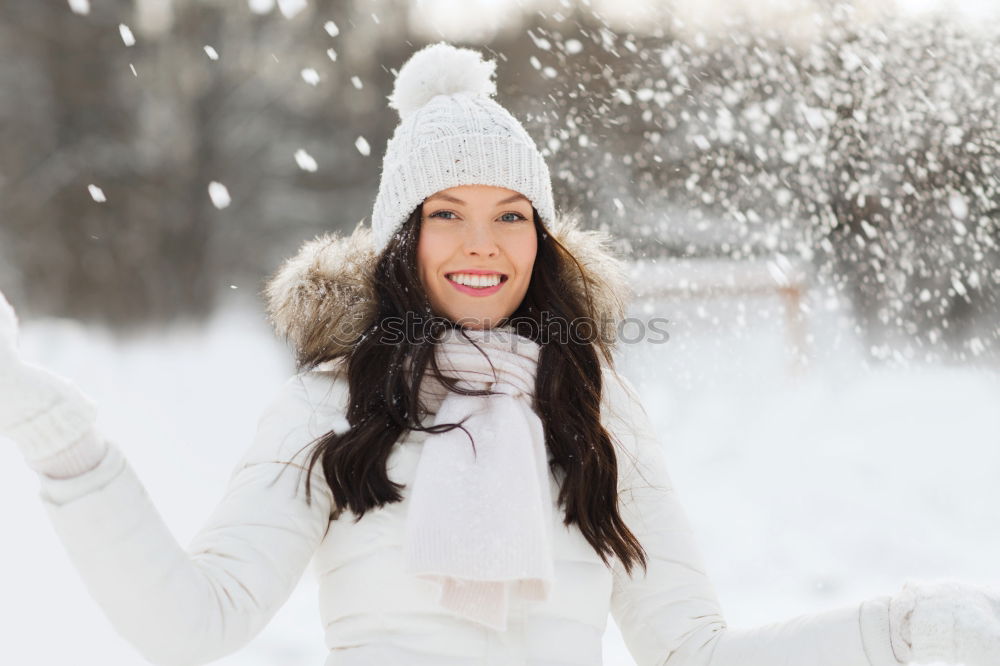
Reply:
x=480, y=485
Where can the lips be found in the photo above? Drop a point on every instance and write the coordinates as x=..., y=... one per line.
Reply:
x=475, y=273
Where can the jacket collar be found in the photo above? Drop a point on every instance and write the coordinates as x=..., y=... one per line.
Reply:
x=322, y=298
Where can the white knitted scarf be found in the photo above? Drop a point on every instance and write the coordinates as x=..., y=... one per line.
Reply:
x=480, y=519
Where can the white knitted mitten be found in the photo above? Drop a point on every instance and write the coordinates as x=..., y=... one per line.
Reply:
x=945, y=620
x=45, y=414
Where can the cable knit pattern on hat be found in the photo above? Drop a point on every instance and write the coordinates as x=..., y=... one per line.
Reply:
x=452, y=133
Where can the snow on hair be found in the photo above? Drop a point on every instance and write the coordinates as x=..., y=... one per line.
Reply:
x=441, y=69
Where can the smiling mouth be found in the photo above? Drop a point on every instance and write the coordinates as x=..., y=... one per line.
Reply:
x=490, y=285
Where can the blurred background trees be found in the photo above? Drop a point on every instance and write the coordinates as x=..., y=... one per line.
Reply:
x=862, y=142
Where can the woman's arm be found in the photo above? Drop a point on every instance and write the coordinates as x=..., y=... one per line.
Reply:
x=191, y=606
x=671, y=616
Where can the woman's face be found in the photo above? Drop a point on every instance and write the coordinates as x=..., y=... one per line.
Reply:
x=482, y=236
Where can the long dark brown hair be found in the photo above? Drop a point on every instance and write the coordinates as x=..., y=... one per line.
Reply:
x=383, y=405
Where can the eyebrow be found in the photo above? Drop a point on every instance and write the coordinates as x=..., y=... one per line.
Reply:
x=446, y=197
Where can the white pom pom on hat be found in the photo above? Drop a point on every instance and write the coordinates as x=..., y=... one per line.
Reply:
x=441, y=69
x=451, y=133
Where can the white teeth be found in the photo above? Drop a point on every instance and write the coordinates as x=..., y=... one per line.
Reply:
x=479, y=281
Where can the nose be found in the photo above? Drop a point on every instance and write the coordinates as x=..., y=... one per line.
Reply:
x=479, y=240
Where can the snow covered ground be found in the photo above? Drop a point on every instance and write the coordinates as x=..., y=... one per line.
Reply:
x=808, y=490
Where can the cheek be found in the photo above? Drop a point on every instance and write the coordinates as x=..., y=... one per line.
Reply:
x=526, y=253
x=433, y=252
x=426, y=278
x=426, y=261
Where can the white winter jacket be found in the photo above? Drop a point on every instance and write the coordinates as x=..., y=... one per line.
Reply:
x=190, y=606
x=183, y=606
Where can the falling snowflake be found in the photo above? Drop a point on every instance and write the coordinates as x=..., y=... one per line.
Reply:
x=540, y=42
x=623, y=95
x=126, y=34
x=96, y=193
x=958, y=205
x=362, y=145
x=219, y=194
x=211, y=52
x=260, y=6
x=305, y=160
x=79, y=6
x=310, y=76
x=289, y=8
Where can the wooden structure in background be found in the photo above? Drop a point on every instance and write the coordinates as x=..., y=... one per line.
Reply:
x=699, y=279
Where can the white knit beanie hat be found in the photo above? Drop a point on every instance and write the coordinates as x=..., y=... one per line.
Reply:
x=452, y=133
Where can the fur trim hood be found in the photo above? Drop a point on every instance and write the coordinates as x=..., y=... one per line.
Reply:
x=322, y=299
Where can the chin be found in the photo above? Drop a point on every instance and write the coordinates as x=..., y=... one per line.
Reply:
x=476, y=321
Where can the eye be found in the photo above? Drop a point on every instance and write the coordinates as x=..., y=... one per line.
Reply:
x=517, y=219
x=441, y=212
